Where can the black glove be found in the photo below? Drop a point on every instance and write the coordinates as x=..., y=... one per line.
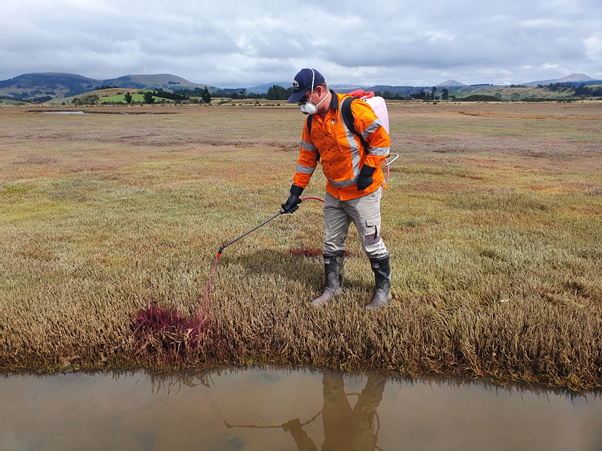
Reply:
x=364, y=180
x=293, y=201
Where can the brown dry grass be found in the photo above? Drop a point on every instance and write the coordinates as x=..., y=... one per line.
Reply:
x=102, y=214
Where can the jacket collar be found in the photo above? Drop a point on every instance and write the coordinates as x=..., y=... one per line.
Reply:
x=334, y=102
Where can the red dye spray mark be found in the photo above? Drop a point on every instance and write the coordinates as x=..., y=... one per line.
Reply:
x=307, y=252
x=156, y=318
x=166, y=333
x=205, y=297
x=175, y=336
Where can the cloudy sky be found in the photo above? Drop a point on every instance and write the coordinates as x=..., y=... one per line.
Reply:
x=238, y=43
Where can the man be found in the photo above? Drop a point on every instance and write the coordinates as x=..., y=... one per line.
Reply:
x=345, y=428
x=354, y=175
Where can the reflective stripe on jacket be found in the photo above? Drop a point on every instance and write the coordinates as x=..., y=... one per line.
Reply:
x=340, y=151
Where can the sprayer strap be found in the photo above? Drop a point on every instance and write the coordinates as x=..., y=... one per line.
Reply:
x=347, y=116
x=350, y=120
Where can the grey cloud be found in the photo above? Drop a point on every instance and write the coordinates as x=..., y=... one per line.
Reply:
x=258, y=41
x=492, y=40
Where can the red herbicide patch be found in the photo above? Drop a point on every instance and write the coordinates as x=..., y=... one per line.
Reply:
x=307, y=252
x=173, y=337
x=168, y=334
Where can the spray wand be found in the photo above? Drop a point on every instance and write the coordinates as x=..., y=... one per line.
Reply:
x=247, y=233
x=221, y=248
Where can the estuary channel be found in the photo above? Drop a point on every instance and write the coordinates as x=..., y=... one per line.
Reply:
x=283, y=409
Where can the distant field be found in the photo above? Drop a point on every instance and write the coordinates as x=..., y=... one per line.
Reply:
x=10, y=102
x=492, y=216
x=120, y=98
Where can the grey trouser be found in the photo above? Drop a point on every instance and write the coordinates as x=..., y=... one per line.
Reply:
x=365, y=214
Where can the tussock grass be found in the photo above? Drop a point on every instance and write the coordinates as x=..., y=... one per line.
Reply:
x=492, y=217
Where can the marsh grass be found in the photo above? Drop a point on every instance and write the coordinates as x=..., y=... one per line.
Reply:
x=492, y=216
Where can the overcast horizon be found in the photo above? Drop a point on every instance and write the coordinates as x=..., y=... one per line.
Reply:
x=242, y=44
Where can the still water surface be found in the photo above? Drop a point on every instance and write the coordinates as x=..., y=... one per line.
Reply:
x=271, y=409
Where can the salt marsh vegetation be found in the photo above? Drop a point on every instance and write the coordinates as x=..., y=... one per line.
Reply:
x=492, y=216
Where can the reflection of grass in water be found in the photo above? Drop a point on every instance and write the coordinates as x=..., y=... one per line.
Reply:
x=103, y=212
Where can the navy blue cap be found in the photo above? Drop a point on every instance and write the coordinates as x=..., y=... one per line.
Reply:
x=303, y=83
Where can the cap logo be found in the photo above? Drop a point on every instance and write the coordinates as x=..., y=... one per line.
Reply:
x=295, y=84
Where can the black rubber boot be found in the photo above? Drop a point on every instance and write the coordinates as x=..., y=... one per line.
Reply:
x=382, y=278
x=333, y=271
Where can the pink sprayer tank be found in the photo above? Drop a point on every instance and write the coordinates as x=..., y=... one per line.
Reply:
x=378, y=105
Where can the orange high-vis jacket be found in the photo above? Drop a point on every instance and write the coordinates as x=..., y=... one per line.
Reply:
x=341, y=152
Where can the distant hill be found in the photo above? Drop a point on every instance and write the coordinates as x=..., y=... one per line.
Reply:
x=156, y=81
x=401, y=90
x=59, y=85
x=453, y=85
x=345, y=88
x=47, y=84
x=263, y=89
x=450, y=83
x=575, y=79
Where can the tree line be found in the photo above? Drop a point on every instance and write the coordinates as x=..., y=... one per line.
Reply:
x=580, y=90
x=275, y=92
x=421, y=95
x=583, y=90
x=149, y=96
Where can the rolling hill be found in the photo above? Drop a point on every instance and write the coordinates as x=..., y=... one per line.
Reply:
x=59, y=85
x=575, y=79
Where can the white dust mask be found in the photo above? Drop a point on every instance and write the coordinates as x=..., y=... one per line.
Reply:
x=309, y=108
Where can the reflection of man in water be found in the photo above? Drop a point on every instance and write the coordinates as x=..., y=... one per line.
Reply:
x=345, y=428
